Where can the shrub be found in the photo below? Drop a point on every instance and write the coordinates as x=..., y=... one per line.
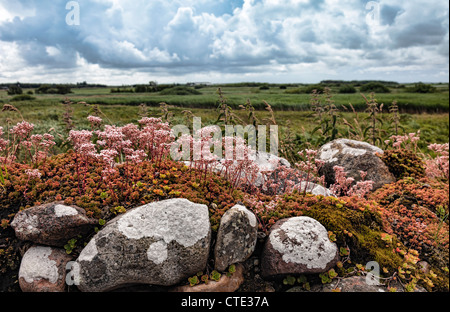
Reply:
x=347, y=89
x=375, y=87
x=22, y=97
x=53, y=89
x=122, y=90
x=307, y=90
x=180, y=90
x=13, y=90
x=421, y=88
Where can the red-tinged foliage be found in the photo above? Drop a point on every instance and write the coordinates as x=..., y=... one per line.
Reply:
x=128, y=186
x=111, y=171
x=416, y=211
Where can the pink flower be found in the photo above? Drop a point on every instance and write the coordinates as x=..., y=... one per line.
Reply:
x=137, y=156
x=439, y=166
x=95, y=121
x=22, y=130
x=3, y=142
x=79, y=137
x=108, y=156
x=33, y=173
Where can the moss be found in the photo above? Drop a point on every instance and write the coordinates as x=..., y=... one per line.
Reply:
x=360, y=230
x=383, y=253
x=404, y=163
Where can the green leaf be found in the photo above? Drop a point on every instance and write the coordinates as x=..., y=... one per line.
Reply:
x=215, y=276
x=343, y=251
x=289, y=280
x=302, y=279
x=325, y=278
x=193, y=280
x=332, y=273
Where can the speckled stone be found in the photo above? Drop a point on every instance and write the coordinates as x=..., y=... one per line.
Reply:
x=43, y=269
x=354, y=156
x=161, y=243
x=236, y=238
x=51, y=224
x=298, y=245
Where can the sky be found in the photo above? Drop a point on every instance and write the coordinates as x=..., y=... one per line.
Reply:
x=119, y=42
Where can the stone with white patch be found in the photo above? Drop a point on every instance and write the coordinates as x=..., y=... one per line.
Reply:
x=43, y=269
x=298, y=245
x=52, y=224
x=236, y=238
x=314, y=189
x=161, y=243
x=354, y=156
x=63, y=210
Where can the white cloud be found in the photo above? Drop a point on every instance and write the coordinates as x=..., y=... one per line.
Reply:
x=270, y=39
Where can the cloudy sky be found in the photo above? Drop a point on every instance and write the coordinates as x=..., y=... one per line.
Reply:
x=126, y=42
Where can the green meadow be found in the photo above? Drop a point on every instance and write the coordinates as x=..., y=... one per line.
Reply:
x=427, y=112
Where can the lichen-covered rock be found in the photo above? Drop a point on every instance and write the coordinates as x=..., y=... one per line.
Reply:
x=236, y=238
x=51, y=224
x=161, y=243
x=43, y=269
x=298, y=245
x=354, y=156
x=315, y=189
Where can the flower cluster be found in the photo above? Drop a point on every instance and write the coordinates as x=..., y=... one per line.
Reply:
x=439, y=166
x=25, y=146
x=33, y=173
x=408, y=141
x=345, y=186
x=3, y=143
x=22, y=130
x=95, y=121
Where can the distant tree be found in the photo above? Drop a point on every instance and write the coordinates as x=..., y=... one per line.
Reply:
x=56, y=89
x=140, y=89
x=310, y=88
x=14, y=90
x=421, y=88
x=376, y=87
x=347, y=89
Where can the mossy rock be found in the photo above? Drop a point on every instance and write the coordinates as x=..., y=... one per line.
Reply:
x=355, y=223
x=360, y=230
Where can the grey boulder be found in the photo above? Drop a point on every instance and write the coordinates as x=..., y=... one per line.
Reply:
x=161, y=243
x=298, y=245
x=354, y=156
x=236, y=238
x=51, y=224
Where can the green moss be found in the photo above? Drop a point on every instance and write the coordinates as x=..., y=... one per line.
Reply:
x=404, y=163
x=360, y=230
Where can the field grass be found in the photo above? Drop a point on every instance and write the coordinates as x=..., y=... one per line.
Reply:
x=425, y=112
x=279, y=99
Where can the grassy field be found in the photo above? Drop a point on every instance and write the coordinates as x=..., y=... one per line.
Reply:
x=279, y=99
x=425, y=112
